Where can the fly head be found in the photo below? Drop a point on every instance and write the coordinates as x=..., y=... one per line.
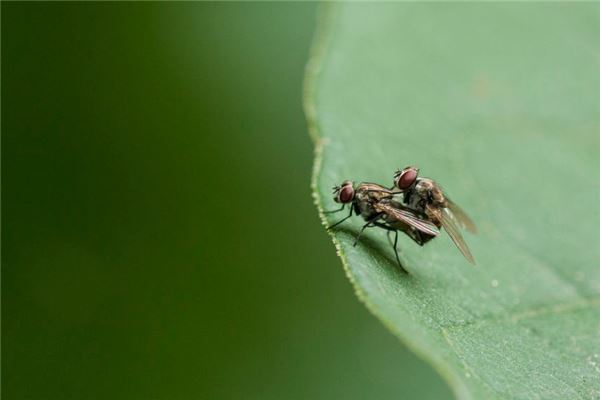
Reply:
x=405, y=178
x=344, y=193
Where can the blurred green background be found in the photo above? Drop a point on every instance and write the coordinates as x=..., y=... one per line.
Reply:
x=159, y=238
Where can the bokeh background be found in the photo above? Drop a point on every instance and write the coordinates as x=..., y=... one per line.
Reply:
x=159, y=237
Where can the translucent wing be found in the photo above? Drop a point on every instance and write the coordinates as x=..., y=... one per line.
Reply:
x=447, y=220
x=461, y=217
x=408, y=217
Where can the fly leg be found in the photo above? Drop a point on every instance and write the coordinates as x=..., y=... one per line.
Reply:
x=343, y=219
x=335, y=211
x=422, y=238
x=371, y=222
x=396, y=253
x=395, y=245
x=415, y=235
x=388, y=238
x=419, y=238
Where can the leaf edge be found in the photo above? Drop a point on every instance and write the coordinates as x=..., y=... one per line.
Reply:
x=326, y=15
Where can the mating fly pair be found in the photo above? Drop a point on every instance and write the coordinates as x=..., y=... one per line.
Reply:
x=424, y=209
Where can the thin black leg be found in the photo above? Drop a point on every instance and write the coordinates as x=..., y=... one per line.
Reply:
x=342, y=220
x=388, y=237
x=419, y=239
x=395, y=245
x=335, y=211
x=396, y=252
x=360, y=233
x=370, y=222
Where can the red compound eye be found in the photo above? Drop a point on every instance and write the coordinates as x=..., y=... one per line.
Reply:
x=346, y=194
x=406, y=178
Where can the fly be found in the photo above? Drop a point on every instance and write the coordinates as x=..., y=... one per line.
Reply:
x=424, y=195
x=376, y=205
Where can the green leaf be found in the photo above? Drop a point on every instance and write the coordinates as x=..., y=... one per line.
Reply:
x=500, y=103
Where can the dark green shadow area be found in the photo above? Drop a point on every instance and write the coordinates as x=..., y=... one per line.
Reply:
x=159, y=239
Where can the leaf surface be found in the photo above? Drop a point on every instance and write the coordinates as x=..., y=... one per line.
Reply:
x=500, y=103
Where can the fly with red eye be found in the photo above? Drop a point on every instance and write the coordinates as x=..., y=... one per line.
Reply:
x=375, y=204
x=406, y=178
x=424, y=195
x=344, y=193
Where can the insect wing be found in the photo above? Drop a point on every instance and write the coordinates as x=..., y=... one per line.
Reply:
x=408, y=218
x=454, y=233
x=461, y=217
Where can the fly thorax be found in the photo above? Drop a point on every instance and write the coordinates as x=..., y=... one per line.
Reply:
x=415, y=197
x=426, y=193
x=363, y=204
